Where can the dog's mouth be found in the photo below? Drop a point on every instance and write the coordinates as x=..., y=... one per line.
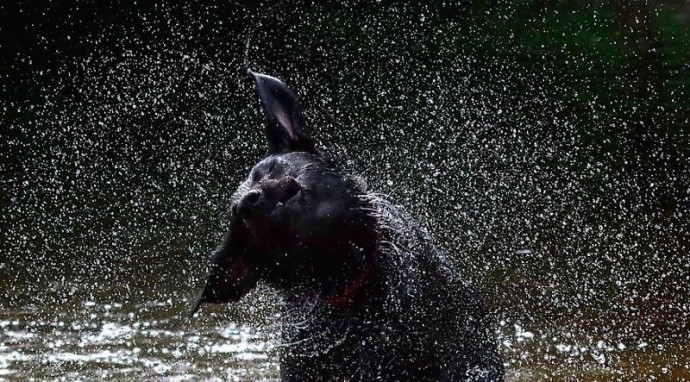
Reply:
x=228, y=281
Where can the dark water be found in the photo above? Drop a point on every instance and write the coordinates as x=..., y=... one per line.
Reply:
x=545, y=144
x=148, y=337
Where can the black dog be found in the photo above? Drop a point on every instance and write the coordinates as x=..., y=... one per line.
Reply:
x=367, y=295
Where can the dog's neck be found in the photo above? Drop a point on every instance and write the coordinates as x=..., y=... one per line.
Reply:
x=345, y=295
x=343, y=277
x=339, y=291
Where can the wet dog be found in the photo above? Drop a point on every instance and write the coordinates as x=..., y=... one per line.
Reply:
x=366, y=294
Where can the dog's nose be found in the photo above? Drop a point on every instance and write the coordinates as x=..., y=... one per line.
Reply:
x=252, y=197
x=267, y=195
x=252, y=202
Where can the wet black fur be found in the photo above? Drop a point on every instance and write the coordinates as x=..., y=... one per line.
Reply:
x=367, y=295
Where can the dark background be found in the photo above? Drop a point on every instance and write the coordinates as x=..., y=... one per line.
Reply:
x=545, y=143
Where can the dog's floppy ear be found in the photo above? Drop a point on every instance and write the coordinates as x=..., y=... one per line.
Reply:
x=231, y=276
x=285, y=125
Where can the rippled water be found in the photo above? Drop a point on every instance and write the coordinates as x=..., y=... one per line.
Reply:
x=150, y=338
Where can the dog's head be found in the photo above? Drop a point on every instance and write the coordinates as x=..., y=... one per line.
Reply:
x=294, y=217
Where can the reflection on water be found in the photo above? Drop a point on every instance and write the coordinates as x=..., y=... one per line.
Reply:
x=150, y=338
x=130, y=341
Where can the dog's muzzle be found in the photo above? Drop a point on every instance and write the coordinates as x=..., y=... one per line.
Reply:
x=267, y=196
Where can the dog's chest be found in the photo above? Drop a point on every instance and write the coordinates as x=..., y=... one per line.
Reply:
x=354, y=347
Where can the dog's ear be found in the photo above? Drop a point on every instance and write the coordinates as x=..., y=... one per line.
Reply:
x=231, y=277
x=285, y=130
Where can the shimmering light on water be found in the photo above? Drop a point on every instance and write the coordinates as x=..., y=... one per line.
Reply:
x=115, y=341
x=126, y=341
